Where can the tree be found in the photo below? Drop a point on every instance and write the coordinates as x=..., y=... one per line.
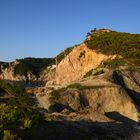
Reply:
x=94, y=30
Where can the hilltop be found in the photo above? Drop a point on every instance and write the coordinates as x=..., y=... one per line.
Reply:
x=111, y=42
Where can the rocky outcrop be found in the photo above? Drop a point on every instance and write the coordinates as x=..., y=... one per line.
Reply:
x=99, y=94
x=77, y=63
x=7, y=73
x=49, y=74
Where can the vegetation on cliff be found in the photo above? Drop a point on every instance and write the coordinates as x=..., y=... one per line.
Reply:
x=125, y=44
x=63, y=54
x=33, y=65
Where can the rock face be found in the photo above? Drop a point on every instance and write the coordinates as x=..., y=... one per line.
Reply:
x=99, y=94
x=48, y=74
x=101, y=100
x=77, y=63
x=108, y=92
x=7, y=73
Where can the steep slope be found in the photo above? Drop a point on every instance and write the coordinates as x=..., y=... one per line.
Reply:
x=111, y=91
x=27, y=69
x=100, y=46
x=111, y=42
x=77, y=63
x=92, y=78
x=8, y=73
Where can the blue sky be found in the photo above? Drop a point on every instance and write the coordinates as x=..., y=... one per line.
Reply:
x=43, y=28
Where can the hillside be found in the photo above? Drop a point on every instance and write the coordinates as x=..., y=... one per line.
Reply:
x=33, y=65
x=63, y=54
x=102, y=47
x=24, y=70
x=98, y=81
x=125, y=44
x=91, y=92
x=77, y=63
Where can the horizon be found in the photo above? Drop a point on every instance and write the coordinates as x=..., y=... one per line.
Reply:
x=42, y=29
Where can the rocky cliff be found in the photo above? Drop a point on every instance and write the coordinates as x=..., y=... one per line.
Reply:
x=7, y=73
x=76, y=64
x=93, y=80
x=111, y=91
x=26, y=70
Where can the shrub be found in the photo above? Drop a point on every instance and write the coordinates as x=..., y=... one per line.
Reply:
x=98, y=72
x=57, y=93
x=94, y=72
x=1, y=128
x=9, y=136
x=8, y=113
x=17, y=112
x=89, y=73
x=27, y=123
x=81, y=87
x=21, y=69
x=62, y=55
x=114, y=63
x=76, y=85
x=20, y=97
x=124, y=44
x=32, y=65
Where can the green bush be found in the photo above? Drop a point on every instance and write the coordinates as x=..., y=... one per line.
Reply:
x=32, y=65
x=8, y=113
x=21, y=97
x=21, y=69
x=9, y=136
x=62, y=55
x=27, y=123
x=1, y=128
x=98, y=72
x=124, y=44
x=94, y=72
x=16, y=116
x=76, y=85
x=17, y=111
x=82, y=87
x=57, y=93
x=114, y=63
x=89, y=73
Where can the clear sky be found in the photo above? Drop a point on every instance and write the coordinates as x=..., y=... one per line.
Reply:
x=43, y=28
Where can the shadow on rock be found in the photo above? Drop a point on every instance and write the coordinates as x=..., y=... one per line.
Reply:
x=118, y=117
x=85, y=130
x=119, y=80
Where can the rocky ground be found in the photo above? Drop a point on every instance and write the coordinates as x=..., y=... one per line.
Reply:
x=104, y=106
